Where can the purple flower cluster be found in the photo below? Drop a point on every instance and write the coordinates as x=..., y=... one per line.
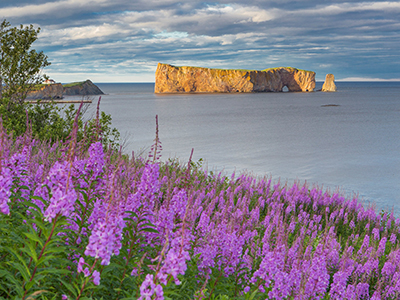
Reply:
x=149, y=290
x=5, y=190
x=95, y=274
x=174, y=264
x=62, y=193
x=105, y=239
x=283, y=241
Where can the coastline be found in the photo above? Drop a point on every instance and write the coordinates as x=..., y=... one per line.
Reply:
x=58, y=101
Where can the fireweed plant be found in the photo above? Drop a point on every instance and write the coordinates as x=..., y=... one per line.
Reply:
x=96, y=224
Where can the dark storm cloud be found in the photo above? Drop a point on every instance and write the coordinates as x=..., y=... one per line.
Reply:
x=118, y=39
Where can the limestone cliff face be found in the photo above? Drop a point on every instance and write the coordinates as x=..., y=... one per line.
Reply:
x=82, y=88
x=47, y=92
x=171, y=79
x=329, y=84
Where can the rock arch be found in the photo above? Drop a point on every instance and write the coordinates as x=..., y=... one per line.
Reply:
x=171, y=79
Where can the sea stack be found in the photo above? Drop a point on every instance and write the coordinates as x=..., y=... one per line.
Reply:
x=329, y=84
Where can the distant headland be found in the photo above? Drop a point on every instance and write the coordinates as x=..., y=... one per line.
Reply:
x=172, y=79
x=51, y=90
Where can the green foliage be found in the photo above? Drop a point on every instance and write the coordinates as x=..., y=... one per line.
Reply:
x=20, y=72
x=31, y=251
x=80, y=83
x=49, y=121
x=20, y=66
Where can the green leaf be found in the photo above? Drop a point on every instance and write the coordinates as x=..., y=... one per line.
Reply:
x=35, y=206
x=30, y=251
x=149, y=230
x=15, y=285
x=70, y=287
x=23, y=263
x=44, y=259
x=53, y=271
x=253, y=294
x=30, y=284
x=147, y=224
x=24, y=271
x=33, y=236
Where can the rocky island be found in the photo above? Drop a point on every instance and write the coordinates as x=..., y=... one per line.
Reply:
x=172, y=79
x=56, y=91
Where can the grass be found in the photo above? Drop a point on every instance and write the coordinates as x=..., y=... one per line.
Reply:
x=244, y=70
x=72, y=84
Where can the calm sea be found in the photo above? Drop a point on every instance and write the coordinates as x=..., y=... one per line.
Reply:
x=348, y=140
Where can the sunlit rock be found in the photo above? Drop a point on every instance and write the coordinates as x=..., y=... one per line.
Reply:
x=171, y=79
x=329, y=84
x=46, y=92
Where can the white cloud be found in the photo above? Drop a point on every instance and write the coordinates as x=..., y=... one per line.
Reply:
x=51, y=8
x=86, y=33
x=352, y=7
x=97, y=35
x=243, y=14
x=213, y=16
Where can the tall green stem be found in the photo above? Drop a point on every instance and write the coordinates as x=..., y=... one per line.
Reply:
x=41, y=252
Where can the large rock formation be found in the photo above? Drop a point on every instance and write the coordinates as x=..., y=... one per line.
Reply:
x=82, y=88
x=329, y=84
x=46, y=92
x=171, y=79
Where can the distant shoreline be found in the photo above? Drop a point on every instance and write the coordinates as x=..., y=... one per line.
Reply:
x=59, y=101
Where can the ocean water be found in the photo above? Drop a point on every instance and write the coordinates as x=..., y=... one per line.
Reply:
x=347, y=141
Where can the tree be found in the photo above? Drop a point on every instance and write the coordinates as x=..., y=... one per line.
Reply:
x=21, y=71
x=20, y=66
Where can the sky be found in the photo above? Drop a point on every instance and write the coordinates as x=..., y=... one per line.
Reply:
x=123, y=40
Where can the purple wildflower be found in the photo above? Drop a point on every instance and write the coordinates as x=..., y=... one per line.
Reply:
x=375, y=233
x=96, y=277
x=393, y=238
x=81, y=263
x=318, y=277
x=352, y=225
x=174, y=264
x=91, y=168
x=149, y=288
x=338, y=287
x=159, y=292
x=382, y=246
x=105, y=240
x=18, y=165
x=388, y=269
x=63, y=195
x=5, y=190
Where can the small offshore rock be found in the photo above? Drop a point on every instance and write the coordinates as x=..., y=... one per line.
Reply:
x=329, y=84
x=330, y=105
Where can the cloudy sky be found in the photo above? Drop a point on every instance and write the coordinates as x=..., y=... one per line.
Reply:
x=123, y=40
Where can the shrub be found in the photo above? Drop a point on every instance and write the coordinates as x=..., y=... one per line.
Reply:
x=51, y=122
